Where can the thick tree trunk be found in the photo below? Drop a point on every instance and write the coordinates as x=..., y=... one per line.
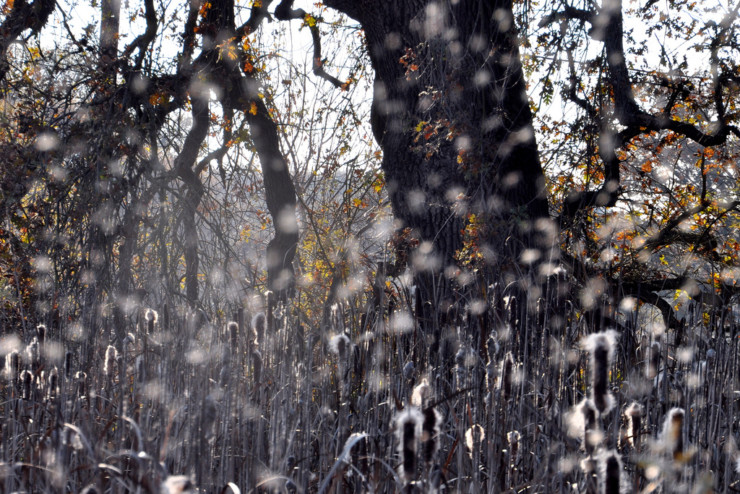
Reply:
x=451, y=113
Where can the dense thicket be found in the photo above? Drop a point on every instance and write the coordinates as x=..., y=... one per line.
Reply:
x=530, y=284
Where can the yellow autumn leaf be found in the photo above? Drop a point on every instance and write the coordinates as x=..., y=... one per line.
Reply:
x=253, y=108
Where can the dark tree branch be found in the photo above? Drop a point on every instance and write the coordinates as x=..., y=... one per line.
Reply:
x=23, y=16
x=628, y=111
x=286, y=12
x=143, y=41
x=184, y=167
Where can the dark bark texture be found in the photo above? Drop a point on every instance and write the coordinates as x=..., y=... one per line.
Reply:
x=451, y=113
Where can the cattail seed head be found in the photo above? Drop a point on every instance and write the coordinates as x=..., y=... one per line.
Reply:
x=421, y=393
x=68, y=363
x=408, y=429
x=259, y=321
x=581, y=424
x=506, y=376
x=474, y=436
x=338, y=345
x=610, y=472
x=233, y=330
x=430, y=434
x=41, y=333
x=601, y=347
x=151, y=317
x=110, y=361
x=178, y=484
x=26, y=380
x=53, y=384
x=13, y=366
x=513, y=439
x=33, y=353
x=81, y=379
x=633, y=414
x=672, y=434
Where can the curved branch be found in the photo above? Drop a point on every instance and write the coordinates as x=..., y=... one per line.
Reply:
x=286, y=12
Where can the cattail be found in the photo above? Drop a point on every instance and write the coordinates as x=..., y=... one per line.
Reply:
x=257, y=366
x=53, y=384
x=474, y=436
x=178, y=484
x=13, y=366
x=430, y=434
x=81, y=379
x=421, y=393
x=233, y=329
x=41, y=334
x=33, y=353
x=610, y=473
x=601, y=347
x=68, y=363
x=338, y=345
x=151, y=318
x=653, y=361
x=581, y=424
x=672, y=434
x=507, y=377
x=26, y=380
x=408, y=427
x=633, y=414
x=513, y=438
x=110, y=361
x=259, y=321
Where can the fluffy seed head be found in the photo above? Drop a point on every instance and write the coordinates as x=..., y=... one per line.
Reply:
x=232, y=328
x=13, y=365
x=32, y=353
x=338, y=345
x=610, y=472
x=151, y=315
x=41, y=333
x=601, y=347
x=53, y=383
x=81, y=379
x=408, y=426
x=513, y=438
x=26, y=380
x=507, y=376
x=671, y=436
x=421, y=394
x=633, y=414
x=258, y=326
x=580, y=423
x=474, y=436
x=110, y=360
x=430, y=434
x=177, y=484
